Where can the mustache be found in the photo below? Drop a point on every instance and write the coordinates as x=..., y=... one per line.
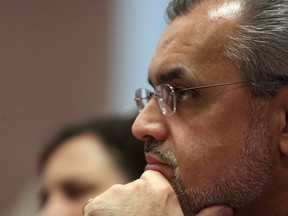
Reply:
x=150, y=145
x=157, y=148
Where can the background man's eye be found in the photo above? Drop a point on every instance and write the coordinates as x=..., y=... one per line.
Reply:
x=77, y=192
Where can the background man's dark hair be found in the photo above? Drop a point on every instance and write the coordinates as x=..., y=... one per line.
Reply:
x=117, y=137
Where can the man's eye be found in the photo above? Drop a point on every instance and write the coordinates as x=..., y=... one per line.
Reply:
x=183, y=96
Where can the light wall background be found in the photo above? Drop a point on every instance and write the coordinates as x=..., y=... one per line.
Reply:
x=135, y=29
x=62, y=62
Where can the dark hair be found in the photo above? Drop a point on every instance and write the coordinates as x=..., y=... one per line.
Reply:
x=117, y=136
x=259, y=46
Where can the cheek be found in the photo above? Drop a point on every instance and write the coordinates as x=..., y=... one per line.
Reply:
x=206, y=148
x=76, y=208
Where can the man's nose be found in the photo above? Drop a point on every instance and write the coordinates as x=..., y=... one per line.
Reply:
x=150, y=123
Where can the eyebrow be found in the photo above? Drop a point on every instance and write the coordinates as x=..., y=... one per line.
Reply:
x=70, y=183
x=76, y=182
x=175, y=73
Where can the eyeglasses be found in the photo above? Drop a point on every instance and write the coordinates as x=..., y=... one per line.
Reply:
x=168, y=97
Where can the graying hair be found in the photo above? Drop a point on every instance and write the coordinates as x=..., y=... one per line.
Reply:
x=259, y=46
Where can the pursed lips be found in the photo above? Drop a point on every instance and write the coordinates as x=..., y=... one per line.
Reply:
x=156, y=164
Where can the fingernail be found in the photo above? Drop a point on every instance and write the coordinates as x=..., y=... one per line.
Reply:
x=226, y=211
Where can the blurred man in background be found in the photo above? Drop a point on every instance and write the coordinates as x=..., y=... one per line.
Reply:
x=84, y=160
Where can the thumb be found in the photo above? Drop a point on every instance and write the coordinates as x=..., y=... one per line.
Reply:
x=216, y=211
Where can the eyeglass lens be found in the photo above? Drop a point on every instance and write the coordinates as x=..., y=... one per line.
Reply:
x=165, y=97
x=142, y=97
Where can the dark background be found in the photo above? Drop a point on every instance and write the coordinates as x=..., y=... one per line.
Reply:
x=53, y=64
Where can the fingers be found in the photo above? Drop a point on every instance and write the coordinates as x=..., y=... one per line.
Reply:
x=151, y=193
x=162, y=185
x=90, y=200
x=158, y=182
x=150, y=175
x=156, y=179
x=216, y=211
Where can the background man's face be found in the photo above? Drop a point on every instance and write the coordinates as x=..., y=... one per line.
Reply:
x=80, y=169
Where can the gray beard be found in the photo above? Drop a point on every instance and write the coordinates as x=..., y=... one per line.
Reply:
x=242, y=181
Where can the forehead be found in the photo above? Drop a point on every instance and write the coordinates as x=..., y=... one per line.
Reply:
x=83, y=157
x=195, y=41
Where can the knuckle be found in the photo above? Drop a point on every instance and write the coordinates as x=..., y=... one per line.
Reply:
x=92, y=209
x=165, y=188
x=117, y=188
x=147, y=173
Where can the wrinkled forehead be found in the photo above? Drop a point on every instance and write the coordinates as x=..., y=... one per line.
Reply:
x=199, y=35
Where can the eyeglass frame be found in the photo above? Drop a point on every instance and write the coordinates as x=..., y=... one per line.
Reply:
x=173, y=93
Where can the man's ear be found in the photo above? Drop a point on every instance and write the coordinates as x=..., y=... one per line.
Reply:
x=284, y=138
x=284, y=135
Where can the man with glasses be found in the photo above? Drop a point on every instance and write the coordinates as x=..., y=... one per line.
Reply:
x=215, y=125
